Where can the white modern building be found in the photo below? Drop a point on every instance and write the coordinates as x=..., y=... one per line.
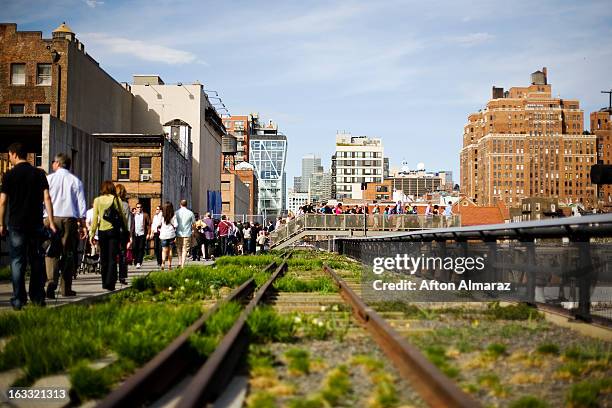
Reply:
x=320, y=187
x=295, y=200
x=162, y=103
x=358, y=159
x=268, y=153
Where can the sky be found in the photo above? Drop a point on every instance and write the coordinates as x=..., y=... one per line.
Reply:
x=408, y=72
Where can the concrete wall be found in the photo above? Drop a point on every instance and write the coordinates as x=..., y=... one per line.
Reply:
x=176, y=173
x=92, y=158
x=188, y=103
x=95, y=102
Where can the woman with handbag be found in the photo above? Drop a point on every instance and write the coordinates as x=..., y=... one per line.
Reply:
x=111, y=226
x=125, y=247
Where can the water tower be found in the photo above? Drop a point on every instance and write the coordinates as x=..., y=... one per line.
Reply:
x=229, y=148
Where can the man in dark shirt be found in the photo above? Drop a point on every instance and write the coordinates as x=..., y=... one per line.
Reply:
x=25, y=188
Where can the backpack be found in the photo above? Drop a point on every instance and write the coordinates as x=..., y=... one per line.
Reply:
x=112, y=215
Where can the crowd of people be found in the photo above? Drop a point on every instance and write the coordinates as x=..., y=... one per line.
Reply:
x=46, y=221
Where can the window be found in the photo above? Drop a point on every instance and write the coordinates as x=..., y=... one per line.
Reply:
x=17, y=109
x=43, y=74
x=18, y=74
x=123, y=168
x=145, y=166
x=43, y=108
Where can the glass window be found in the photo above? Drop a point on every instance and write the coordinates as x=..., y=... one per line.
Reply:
x=43, y=108
x=43, y=74
x=145, y=165
x=18, y=76
x=17, y=109
x=123, y=168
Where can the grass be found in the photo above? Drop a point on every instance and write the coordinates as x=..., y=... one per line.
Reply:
x=215, y=328
x=548, y=348
x=265, y=326
x=520, y=311
x=528, y=401
x=298, y=361
x=586, y=394
x=438, y=356
x=336, y=385
x=321, y=284
x=496, y=350
x=49, y=341
x=5, y=273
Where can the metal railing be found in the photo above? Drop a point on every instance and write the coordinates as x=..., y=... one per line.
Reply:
x=361, y=222
x=575, y=251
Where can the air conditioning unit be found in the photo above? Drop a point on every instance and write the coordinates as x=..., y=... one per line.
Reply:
x=145, y=177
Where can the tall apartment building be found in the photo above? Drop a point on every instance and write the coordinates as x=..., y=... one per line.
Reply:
x=601, y=127
x=239, y=126
x=358, y=159
x=268, y=153
x=188, y=103
x=526, y=143
x=310, y=164
x=295, y=200
x=320, y=187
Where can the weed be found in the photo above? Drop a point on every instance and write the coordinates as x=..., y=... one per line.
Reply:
x=496, y=350
x=321, y=284
x=5, y=273
x=260, y=357
x=528, y=401
x=385, y=394
x=548, y=348
x=261, y=399
x=520, y=311
x=369, y=363
x=585, y=394
x=266, y=326
x=312, y=402
x=336, y=386
x=215, y=328
x=492, y=382
x=88, y=383
x=437, y=355
x=298, y=361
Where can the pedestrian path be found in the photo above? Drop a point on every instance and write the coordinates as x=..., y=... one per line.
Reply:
x=86, y=285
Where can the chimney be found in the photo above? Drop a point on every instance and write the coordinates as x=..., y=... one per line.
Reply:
x=545, y=75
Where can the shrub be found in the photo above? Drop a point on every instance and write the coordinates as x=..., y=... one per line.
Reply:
x=265, y=325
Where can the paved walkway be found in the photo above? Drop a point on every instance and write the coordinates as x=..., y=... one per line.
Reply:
x=86, y=285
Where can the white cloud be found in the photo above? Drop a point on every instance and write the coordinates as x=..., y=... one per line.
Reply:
x=105, y=43
x=93, y=3
x=472, y=39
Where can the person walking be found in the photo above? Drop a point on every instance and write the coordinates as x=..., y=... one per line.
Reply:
x=167, y=234
x=223, y=230
x=255, y=229
x=124, y=245
x=25, y=188
x=69, y=210
x=140, y=230
x=209, y=236
x=154, y=234
x=110, y=224
x=185, y=220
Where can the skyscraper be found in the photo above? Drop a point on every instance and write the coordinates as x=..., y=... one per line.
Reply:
x=267, y=153
x=525, y=143
x=310, y=164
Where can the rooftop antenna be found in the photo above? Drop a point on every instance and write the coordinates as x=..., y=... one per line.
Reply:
x=610, y=99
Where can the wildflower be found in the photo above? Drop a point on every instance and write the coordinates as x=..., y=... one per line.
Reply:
x=335, y=308
x=323, y=308
x=182, y=288
x=170, y=288
x=320, y=323
x=297, y=319
x=475, y=323
x=186, y=280
x=153, y=299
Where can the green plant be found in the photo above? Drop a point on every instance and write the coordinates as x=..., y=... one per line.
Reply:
x=215, y=328
x=88, y=383
x=298, y=361
x=261, y=399
x=519, y=311
x=5, y=273
x=265, y=325
x=437, y=355
x=496, y=350
x=585, y=394
x=312, y=402
x=260, y=357
x=336, y=385
x=385, y=394
x=321, y=284
x=548, y=348
x=528, y=401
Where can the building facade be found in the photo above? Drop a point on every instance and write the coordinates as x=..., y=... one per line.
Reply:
x=246, y=172
x=601, y=127
x=156, y=103
x=526, y=143
x=153, y=168
x=234, y=196
x=320, y=187
x=358, y=159
x=295, y=200
x=267, y=154
x=239, y=126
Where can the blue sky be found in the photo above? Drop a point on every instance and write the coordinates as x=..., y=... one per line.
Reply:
x=406, y=71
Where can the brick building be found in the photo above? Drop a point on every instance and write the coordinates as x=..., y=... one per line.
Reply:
x=525, y=143
x=248, y=176
x=601, y=127
x=153, y=168
x=472, y=214
x=239, y=126
x=234, y=197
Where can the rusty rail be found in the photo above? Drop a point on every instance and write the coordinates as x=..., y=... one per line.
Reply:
x=158, y=375
x=434, y=387
x=213, y=376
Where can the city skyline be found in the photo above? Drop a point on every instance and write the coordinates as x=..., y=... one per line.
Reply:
x=371, y=70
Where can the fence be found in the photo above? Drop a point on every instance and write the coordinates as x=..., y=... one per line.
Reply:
x=573, y=252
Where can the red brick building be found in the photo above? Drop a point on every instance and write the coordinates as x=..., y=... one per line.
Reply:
x=601, y=127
